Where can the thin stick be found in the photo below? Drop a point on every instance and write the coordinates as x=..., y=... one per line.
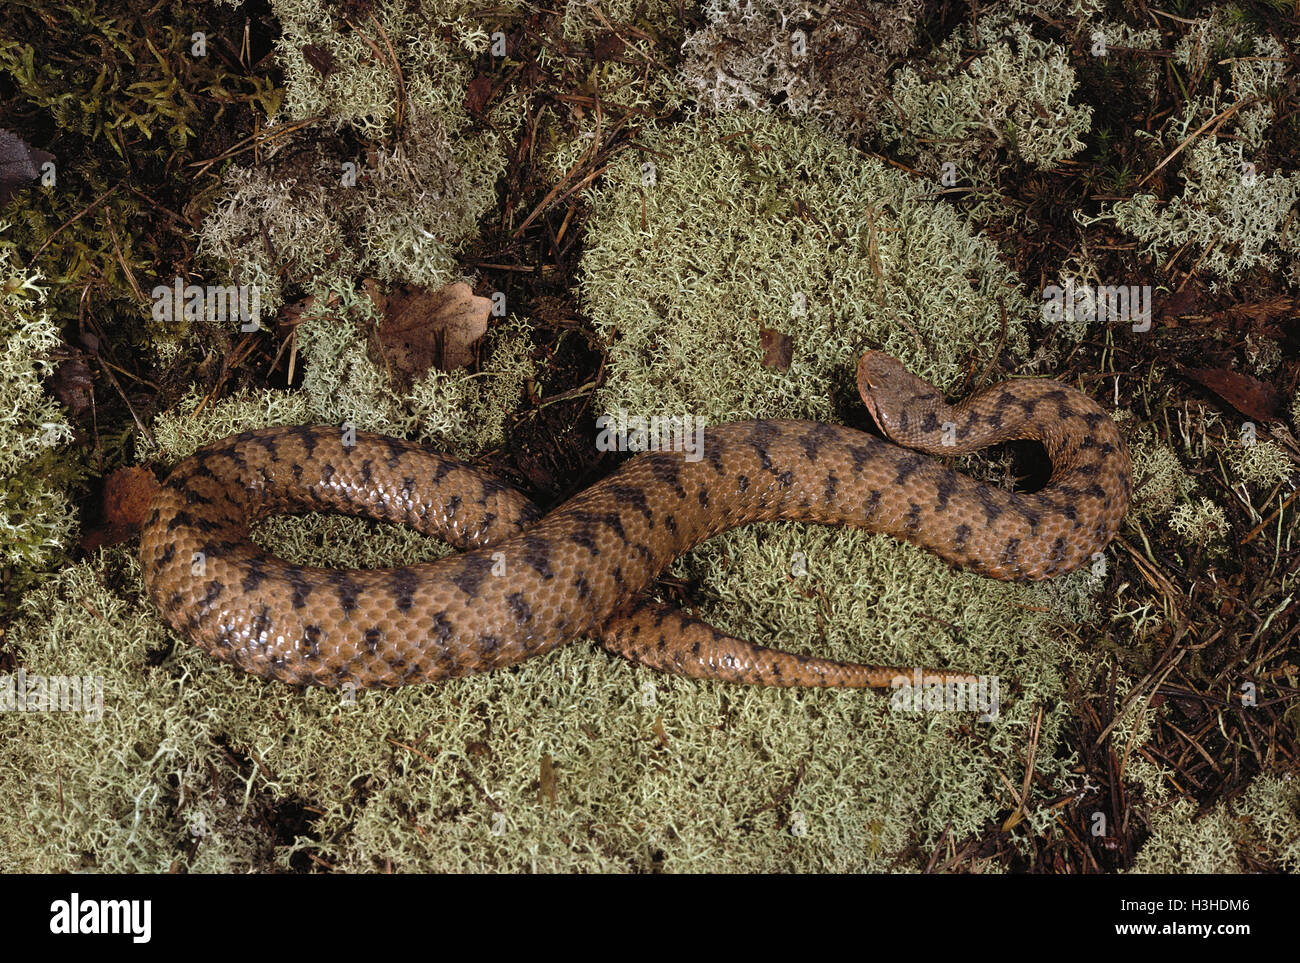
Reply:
x=1196, y=133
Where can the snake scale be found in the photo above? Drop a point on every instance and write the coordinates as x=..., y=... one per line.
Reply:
x=528, y=582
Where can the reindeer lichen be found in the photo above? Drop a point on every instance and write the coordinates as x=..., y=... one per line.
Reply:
x=993, y=87
x=830, y=61
x=36, y=518
x=1231, y=214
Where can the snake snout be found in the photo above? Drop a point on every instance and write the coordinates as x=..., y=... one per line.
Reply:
x=883, y=383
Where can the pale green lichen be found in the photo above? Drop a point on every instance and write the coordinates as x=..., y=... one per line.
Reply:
x=1071, y=12
x=761, y=222
x=1263, y=355
x=623, y=84
x=294, y=217
x=1115, y=39
x=1201, y=523
x=429, y=39
x=194, y=764
x=425, y=198
x=583, y=19
x=1231, y=216
x=36, y=519
x=1256, y=63
x=993, y=86
x=459, y=411
x=1261, y=827
x=830, y=61
x=312, y=212
x=863, y=597
x=1256, y=67
x=562, y=155
x=130, y=791
x=1159, y=478
x=401, y=216
x=196, y=420
x=1182, y=843
x=1263, y=463
x=1271, y=809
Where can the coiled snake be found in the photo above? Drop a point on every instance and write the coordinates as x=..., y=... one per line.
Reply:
x=529, y=582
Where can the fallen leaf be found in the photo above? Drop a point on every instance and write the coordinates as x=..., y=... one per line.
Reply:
x=319, y=57
x=608, y=46
x=480, y=90
x=1181, y=303
x=20, y=164
x=425, y=329
x=778, y=349
x=1255, y=399
x=660, y=732
x=546, y=781
x=127, y=494
x=72, y=384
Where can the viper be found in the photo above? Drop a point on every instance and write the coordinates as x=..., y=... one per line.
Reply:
x=527, y=582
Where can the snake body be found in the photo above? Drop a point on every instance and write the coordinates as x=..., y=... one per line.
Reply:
x=528, y=582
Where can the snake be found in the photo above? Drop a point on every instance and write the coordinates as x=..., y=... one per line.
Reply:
x=526, y=581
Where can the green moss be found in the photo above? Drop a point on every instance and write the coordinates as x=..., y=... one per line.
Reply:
x=748, y=222
x=124, y=104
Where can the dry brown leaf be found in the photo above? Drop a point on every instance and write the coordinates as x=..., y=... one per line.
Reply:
x=73, y=385
x=608, y=46
x=319, y=57
x=480, y=91
x=778, y=349
x=127, y=494
x=1253, y=398
x=546, y=780
x=425, y=329
x=20, y=164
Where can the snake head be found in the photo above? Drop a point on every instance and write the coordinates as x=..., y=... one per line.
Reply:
x=905, y=407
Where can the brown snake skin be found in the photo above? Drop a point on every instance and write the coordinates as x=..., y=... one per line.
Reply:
x=529, y=583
